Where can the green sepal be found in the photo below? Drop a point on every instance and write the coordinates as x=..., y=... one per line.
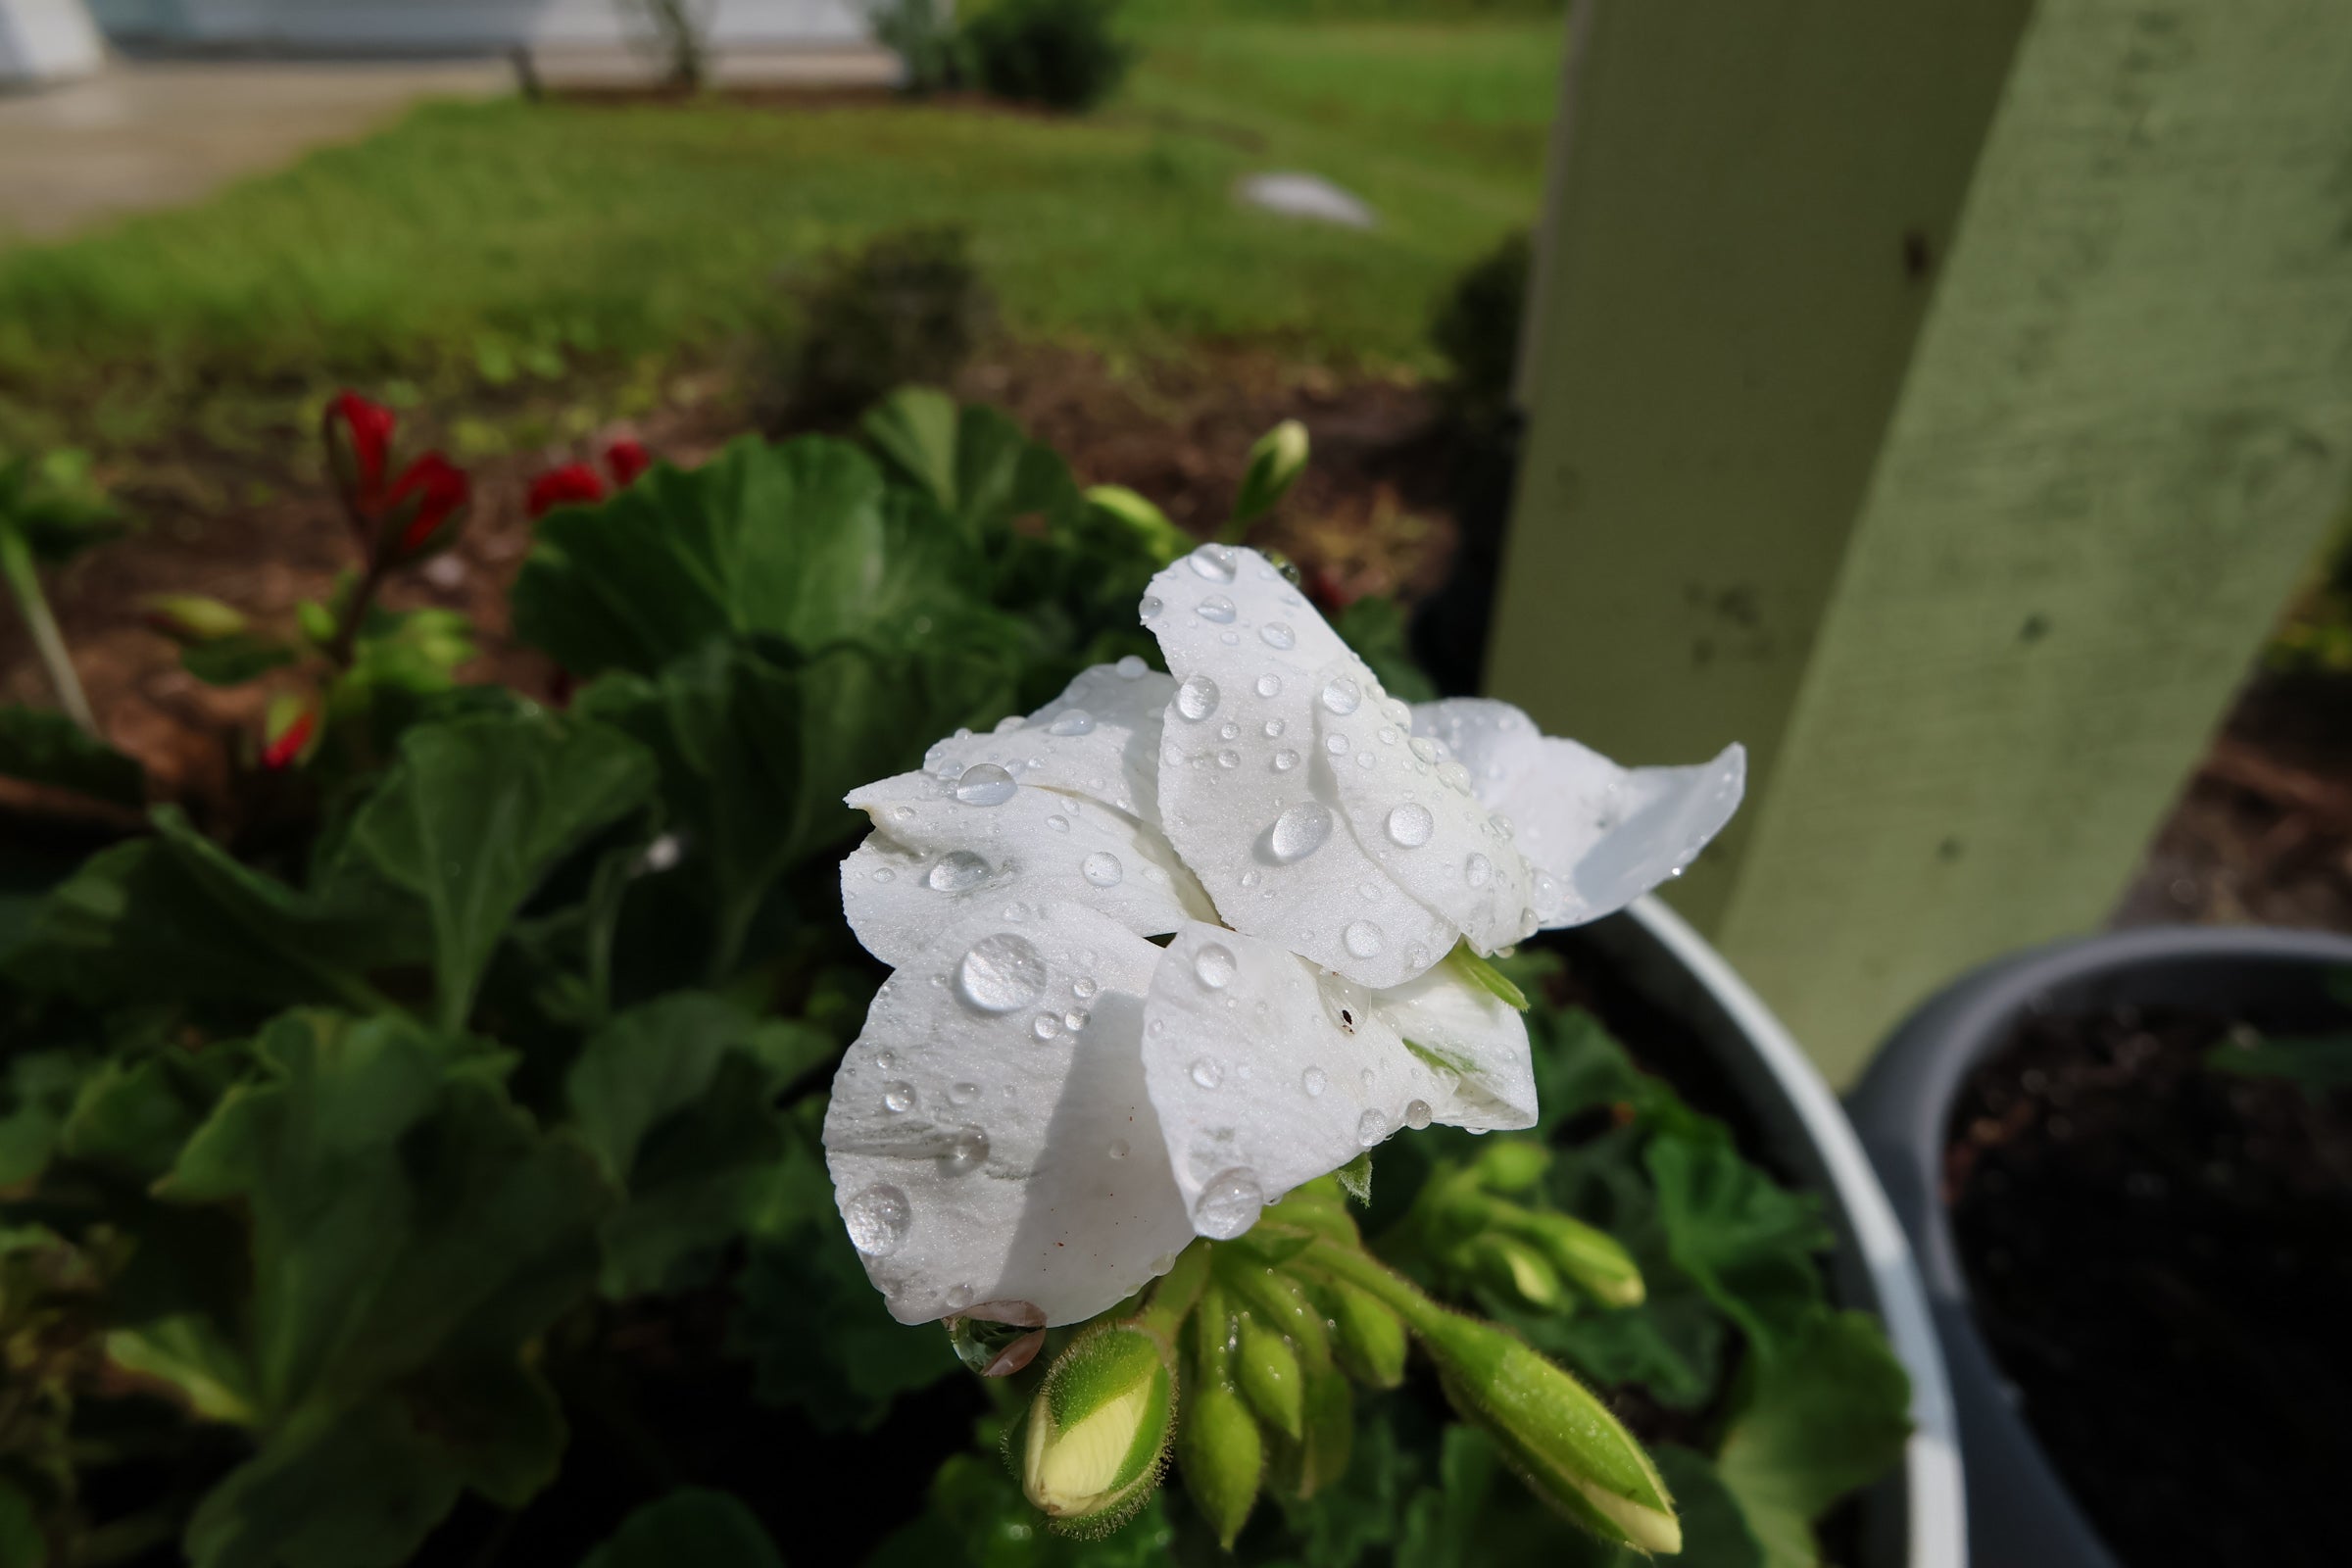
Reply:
x=1097, y=1429
x=1267, y=1370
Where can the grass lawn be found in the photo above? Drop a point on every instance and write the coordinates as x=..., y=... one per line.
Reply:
x=472, y=236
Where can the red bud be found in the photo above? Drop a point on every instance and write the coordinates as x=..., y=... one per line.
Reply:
x=627, y=458
x=574, y=484
x=437, y=491
x=289, y=729
x=359, y=444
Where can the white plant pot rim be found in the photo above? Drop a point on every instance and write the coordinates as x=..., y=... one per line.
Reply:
x=1874, y=1258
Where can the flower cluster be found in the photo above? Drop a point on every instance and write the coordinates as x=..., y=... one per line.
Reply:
x=397, y=518
x=578, y=484
x=1176, y=944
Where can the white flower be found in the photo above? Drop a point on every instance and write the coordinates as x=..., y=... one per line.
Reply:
x=1045, y=1106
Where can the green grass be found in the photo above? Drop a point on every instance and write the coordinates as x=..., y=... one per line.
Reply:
x=502, y=230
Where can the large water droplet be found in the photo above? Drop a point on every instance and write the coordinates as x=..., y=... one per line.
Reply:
x=1214, y=967
x=1268, y=684
x=1196, y=698
x=1335, y=744
x=1229, y=1205
x=1455, y=775
x=1478, y=871
x=1424, y=748
x=956, y=871
x=985, y=784
x=1300, y=831
x=1077, y=721
x=1000, y=973
x=1046, y=1027
x=1370, y=1128
x=1285, y=760
x=1363, y=939
x=1217, y=607
x=1410, y=824
x=1314, y=1081
x=1276, y=634
x=877, y=1219
x=1102, y=870
x=1213, y=562
x=1417, y=1114
x=1342, y=695
x=966, y=1151
x=898, y=1096
x=1208, y=1073
x=1131, y=668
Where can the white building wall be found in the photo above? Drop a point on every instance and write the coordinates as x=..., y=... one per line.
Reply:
x=466, y=25
x=45, y=40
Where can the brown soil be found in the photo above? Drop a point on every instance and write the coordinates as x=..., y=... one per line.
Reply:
x=264, y=533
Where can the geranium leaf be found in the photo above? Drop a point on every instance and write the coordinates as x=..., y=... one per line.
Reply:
x=1829, y=1414
x=478, y=812
x=41, y=746
x=36, y=1094
x=974, y=461
x=692, y=1526
x=1747, y=1241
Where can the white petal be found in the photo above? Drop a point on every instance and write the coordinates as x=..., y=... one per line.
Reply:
x=1249, y=794
x=988, y=1153
x=1099, y=739
x=1476, y=1038
x=938, y=855
x=1599, y=834
x=1267, y=1072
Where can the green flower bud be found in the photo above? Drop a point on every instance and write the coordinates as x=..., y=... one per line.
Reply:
x=1511, y=1164
x=1267, y=1370
x=1218, y=1444
x=1319, y=1456
x=1593, y=1260
x=1571, y=1450
x=1098, y=1431
x=1162, y=538
x=1276, y=1300
x=1275, y=462
x=191, y=618
x=1514, y=1270
x=316, y=621
x=1367, y=1338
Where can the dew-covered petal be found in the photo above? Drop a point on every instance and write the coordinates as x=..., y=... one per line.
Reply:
x=1597, y=836
x=1249, y=792
x=1267, y=1071
x=1231, y=608
x=1473, y=1036
x=1099, y=739
x=991, y=1139
x=935, y=855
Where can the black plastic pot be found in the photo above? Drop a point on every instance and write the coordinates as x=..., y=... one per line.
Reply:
x=2020, y=1514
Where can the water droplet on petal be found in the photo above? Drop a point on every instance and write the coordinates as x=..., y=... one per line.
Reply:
x=1230, y=730
x=1229, y=758
x=1229, y=1205
x=1363, y=939
x=1335, y=744
x=1102, y=870
x=963, y=1094
x=1151, y=606
x=1417, y=1114
x=1083, y=987
x=898, y=1096
x=1046, y=1026
x=1314, y=1081
x=966, y=1151
x=877, y=1219
x=1058, y=823
x=1077, y=721
x=886, y=875
x=1196, y=698
x=1478, y=871
x=1410, y=824
x=1370, y=1128
x=985, y=784
x=1000, y=973
x=1342, y=695
x=1424, y=748
x=1388, y=735
x=1274, y=727
x=956, y=871
x=1208, y=1073
x=1131, y=668
x=1455, y=776
x=1300, y=831
x=1217, y=607
x=1416, y=955
x=1214, y=967
x=1285, y=760
x=1268, y=685
x=1276, y=634
x=1212, y=563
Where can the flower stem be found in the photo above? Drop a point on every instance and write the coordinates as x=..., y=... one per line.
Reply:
x=1392, y=1290
x=1173, y=1298
x=354, y=611
x=25, y=582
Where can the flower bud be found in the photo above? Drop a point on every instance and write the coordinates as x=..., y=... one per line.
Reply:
x=1267, y=1370
x=1367, y=1338
x=1276, y=1300
x=1511, y=1164
x=359, y=449
x=1593, y=1260
x=1571, y=1450
x=1098, y=1431
x=315, y=622
x=1217, y=1444
x=574, y=484
x=626, y=459
x=423, y=509
x=1319, y=1456
x=1275, y=462
x=190, y=618
x=1151, y=525
x=1515, y=1271
x=287, y=730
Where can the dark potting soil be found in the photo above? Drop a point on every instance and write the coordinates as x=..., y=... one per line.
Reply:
x=2161, y=1260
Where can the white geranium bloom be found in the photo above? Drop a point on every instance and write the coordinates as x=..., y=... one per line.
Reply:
x=1046, y=1106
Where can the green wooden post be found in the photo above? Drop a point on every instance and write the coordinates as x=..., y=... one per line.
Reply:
x=1942, y=401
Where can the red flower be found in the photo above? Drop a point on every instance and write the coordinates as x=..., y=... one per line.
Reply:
x=627, y=458
x=293, y=733
x=574, y=484
x=434, y=492
x=359, y=445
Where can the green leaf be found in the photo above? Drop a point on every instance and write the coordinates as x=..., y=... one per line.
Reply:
x=234, y=660
x=478, y=812
x=1827, y=1415
x=802, y=542
x=175, y=916
x=691, y=1528
x=410, y=1231
x=41, y=746
x=135, y=1113
x=676, y=1098
x=974, y=462
x=977, y=1518
x=37, y=1093
x=1747, y=1241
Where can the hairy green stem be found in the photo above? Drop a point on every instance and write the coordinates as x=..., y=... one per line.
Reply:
x=1173, y=1298
x=25, y=582
x=1376, y=1279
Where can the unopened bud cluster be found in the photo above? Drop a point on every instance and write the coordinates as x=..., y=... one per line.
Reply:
x=1470, y=1231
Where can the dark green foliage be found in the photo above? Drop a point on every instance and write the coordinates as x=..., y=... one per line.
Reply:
x=41, y=746
x=908, y=306
x=1477, y=326
x=691, y=1528
x=1061, y=54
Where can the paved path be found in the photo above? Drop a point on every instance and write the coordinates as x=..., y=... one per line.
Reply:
x=152, y=134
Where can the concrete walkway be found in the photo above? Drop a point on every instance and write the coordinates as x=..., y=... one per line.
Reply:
x=150, y=134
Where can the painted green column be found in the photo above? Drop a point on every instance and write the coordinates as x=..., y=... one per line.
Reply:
x=1941, y=400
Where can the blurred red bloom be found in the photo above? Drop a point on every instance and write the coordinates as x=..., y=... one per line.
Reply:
x=576, y=484
x=627, y=458
x=293, y=734
x=359, y=444
x=438, y=489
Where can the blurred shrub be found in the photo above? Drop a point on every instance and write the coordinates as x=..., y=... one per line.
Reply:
x=1062, y=54
x=923, y=36
x=908, y=306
